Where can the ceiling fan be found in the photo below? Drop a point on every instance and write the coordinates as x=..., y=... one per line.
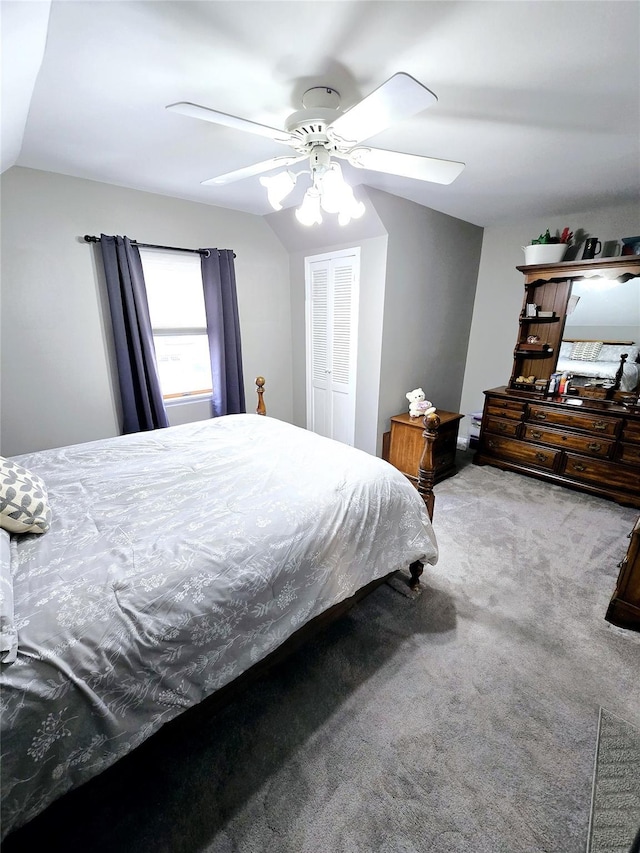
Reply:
x=321, y=131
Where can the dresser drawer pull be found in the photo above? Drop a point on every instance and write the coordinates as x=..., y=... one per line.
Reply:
x=599, y=425
x=540, y=416
x=502, y=427
x=578, y=466
x=541, y=457
x=594, y=446
x=491, y=444
x=536, y=433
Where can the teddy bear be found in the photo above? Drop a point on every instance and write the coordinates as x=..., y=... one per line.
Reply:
x=419, y=406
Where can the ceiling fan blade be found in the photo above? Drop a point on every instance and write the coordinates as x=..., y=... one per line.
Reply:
x=255, y=169
x=406, y=165
x=400, y=97
x=194, y=111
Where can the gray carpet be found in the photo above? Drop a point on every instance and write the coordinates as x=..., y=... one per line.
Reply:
x=461, y=720
x=615, y=810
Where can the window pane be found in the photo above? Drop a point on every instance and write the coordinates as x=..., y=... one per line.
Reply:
x=174, y=289
x=183, y=364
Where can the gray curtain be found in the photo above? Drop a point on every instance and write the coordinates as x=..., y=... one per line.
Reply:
x=223, y=327
x=142, y=404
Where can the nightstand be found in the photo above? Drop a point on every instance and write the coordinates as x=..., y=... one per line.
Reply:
x=405, y=444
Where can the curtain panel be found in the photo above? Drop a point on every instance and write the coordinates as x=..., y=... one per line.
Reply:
x=223, y=328
x=142, y=403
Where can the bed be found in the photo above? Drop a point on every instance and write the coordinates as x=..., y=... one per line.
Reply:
x=176, y=562
x=601, y=360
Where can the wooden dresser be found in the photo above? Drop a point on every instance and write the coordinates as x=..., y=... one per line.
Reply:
x=624, y=608
x=591, y=445
x=405, y=444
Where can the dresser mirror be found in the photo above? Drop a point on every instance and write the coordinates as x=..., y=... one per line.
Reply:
x=602, y=323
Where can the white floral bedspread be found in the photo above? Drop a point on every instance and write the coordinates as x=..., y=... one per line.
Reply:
x=176, y=559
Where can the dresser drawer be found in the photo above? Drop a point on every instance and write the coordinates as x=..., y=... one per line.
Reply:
x=631, y=431
x=513, y=450
x=599, y=472
x=574, y=420
x=591, y=444
x=499, y=411
x=501, y=427
x=629, y=453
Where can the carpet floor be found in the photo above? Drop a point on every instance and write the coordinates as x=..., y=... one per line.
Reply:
x=465, y=719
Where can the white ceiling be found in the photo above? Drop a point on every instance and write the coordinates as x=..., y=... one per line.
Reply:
x=541, y=100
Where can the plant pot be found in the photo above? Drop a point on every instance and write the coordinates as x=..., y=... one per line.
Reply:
x=544, y=253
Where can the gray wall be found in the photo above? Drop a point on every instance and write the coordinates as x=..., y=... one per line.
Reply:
x=500, y=290
x=57, y=377
x=432, y=268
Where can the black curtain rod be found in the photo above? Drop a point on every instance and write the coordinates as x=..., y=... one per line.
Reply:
x=205, y=252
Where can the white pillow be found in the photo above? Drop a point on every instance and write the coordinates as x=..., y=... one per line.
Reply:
x=586, y=350
x=24, y=503
x=612, y=352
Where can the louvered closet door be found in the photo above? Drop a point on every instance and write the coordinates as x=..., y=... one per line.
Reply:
x=332, y=312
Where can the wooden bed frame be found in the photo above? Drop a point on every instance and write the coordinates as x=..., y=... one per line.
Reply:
x=426, y=473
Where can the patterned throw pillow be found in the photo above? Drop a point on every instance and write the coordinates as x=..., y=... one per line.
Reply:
x=586, y=350
x=24, y=503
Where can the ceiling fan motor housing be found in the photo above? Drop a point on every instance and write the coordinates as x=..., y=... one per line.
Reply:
x=309, y=125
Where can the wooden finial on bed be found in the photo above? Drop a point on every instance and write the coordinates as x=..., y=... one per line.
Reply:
x=262, y=409
x=426, y=469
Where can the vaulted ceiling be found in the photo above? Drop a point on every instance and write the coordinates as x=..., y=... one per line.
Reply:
x=540, y=100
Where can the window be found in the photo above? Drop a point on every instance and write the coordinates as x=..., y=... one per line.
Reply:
x=176, y=305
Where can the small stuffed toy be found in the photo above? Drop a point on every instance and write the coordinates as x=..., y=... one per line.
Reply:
x=419, y=406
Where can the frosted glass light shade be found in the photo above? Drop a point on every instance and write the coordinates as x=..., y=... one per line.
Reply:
x=278, y=187
x=309, y=211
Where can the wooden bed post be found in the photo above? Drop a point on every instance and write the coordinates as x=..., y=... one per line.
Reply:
x=426, y=476
x=426, y=468
x=262, y=409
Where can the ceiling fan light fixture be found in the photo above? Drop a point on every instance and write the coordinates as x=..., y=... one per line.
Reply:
x=278, y=187
x=309, y=211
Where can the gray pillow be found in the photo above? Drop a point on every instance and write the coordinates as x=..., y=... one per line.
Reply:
x=24, y=503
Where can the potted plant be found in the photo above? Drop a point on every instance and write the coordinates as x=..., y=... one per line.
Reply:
x=548, y=249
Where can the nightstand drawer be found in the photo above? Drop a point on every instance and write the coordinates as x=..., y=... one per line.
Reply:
x=598, y=472
x=574, y=420
x=593, y=445
x=513, y=450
